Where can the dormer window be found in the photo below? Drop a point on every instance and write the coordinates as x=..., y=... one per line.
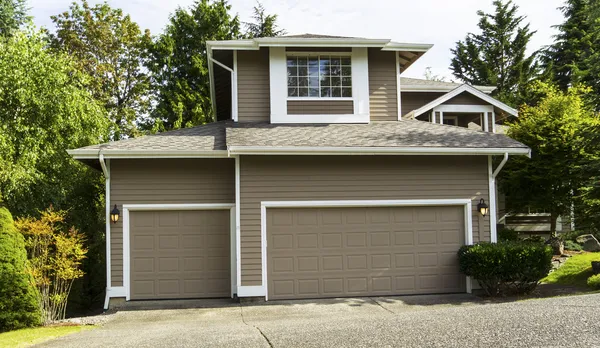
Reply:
x=319, y=76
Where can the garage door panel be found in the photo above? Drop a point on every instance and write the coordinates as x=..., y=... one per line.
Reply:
x=180, y=254
x=384, y=251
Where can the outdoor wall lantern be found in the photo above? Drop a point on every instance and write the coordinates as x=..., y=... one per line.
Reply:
x=114, y=214
x=482, y=207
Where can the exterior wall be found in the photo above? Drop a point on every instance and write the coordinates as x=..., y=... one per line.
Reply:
x=253, y=85
x=280, y=178
x=320, y=107
x=413, y=100
x=383, y=97
x=165, y=181
x=465, y=98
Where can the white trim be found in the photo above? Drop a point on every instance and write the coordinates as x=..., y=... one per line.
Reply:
x=360, y=84
x=105, y=164
x=309, y=150
x=255, y=44
x=211, y=78
x=493, y=121
x=94, y=153
x=263, y=290
x=464, y=108
x=221, y=64
x=425, y=88
x=234, y=88
x=319, y=98
x=398, y=86
x=441, y=117
x=486, y=122
x=278, y=82
x=233, y=250
x=492, y=201
x=151, y=207
x=321, y=119
x=317, y=53
x=112, y=292
x=459, y=90
x=238, y=240
x=251, y=291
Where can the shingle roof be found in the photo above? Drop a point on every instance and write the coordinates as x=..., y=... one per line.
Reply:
x=408, y=81
x=406, y=133
x=315, y=36
x=206, y=137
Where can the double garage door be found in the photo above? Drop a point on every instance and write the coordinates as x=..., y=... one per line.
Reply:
x=180, y=254
x=336, y=252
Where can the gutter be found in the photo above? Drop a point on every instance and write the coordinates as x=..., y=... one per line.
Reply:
x=106, y=172
x=501, y=165
x=270, y=150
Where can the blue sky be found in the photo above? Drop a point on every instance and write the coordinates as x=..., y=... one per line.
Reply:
x=439, y=22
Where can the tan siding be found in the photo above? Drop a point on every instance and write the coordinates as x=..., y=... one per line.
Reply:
x=276, y=178
x=253, y=85
x=318, y=107
x=413, y=100
x=165, y=181
x=465, y=98
x=383, y=99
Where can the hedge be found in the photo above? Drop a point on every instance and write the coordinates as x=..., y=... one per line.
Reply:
x=506, y=268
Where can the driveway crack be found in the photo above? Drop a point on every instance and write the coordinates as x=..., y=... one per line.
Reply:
x=379, y=304
x=254, y=326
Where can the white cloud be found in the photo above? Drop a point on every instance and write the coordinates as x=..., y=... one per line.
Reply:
x=439, y=22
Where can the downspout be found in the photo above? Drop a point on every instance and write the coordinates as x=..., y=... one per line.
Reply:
x=500, y=166
x=106, y=172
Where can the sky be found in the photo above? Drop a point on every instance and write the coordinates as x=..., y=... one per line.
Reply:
x=438, y=22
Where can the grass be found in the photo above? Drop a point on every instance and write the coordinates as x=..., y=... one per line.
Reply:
x=575, y=271
x=27, y=337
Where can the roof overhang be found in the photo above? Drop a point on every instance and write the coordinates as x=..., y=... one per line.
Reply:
x=421, y=88
x=469, y=89
x=298, y=150
x=85, y=154
x=255, y=44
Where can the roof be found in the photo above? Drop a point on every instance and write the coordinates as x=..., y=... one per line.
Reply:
x=226, y=138
x=409, y=84
x=316, y=36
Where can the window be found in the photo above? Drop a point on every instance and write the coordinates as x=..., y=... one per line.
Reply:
x=323, y=76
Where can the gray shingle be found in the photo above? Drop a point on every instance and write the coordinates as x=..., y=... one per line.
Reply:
x=315, y=36
x=406, y=133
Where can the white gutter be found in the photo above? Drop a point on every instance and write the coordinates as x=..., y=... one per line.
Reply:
x=106, y=172
x=107, y=154
x=266, y=150
x=500, y=166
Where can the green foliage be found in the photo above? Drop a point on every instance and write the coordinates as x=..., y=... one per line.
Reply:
x=497, y=55
x=554, y=130
x=575, y=272
x=265, y=25
x=594, y=282
x=13, y=14
x=534, y=239
x=178, y=63
x=508, y=235
x=55, y=255
x=506, y=268
x=111, y=49
x=45, y=109
x=18, y=305
x=573, y=246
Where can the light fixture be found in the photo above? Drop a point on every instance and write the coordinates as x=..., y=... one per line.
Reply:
x=114, y=214
x=482, y=207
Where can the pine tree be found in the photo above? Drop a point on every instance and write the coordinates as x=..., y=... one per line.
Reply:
x=265, y=25
x=13, y=14
x=497, y=55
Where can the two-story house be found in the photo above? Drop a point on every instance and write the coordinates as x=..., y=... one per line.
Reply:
x=326, y=174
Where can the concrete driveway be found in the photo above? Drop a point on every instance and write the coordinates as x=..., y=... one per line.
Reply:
x=416, y=321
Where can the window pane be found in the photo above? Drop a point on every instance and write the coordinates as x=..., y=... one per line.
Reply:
x=313, y=82
x=336, y=81
x=346, y=81
x=346, y=71
x=303, y=81
x=325, y=92
x=292, y=71
x=292, y=92
x=336, y=70
x=325, y=81
x=324, y=65
x=313, y=92
x=303, y=61
x=292, y=81
x=313, y=61
x=346, y=61
x=313, y=71
x=336, y=92
x=303, y=92
x=302, y=71
x=335, y=61
x=291, y=61
x=347, y=92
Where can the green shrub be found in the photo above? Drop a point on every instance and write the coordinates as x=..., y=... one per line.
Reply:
x=535, y=239
x=508, y=235
x=594, y=282
x=506, y=268
x=571, y=235
x=571, y=245
x=18, y=304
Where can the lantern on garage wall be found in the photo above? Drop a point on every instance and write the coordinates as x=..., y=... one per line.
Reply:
x=114, y=215
x=482, y=207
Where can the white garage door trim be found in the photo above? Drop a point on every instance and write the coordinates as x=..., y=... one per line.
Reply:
x=263, y=291
x=159, y=207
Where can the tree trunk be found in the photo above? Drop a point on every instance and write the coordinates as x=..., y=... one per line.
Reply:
x=553, y=218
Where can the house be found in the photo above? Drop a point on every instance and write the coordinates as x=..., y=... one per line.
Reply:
x=326, y=174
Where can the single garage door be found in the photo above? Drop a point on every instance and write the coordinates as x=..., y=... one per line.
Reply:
x=180, y=254
x=336, y=252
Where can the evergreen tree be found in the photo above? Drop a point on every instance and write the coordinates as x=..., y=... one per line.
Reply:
x=179, y=63
x=496, y=56
x=13, y=14
x=264, y=25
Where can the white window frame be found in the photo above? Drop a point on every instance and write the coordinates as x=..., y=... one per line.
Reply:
x=318, y=55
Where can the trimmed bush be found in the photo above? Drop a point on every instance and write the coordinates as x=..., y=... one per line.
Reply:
x=594, y=282
x=18, y=304
x=573, y=246
x=506, y=268
x=508, y=235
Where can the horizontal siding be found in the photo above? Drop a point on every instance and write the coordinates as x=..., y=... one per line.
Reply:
x=383, y=99
x=320, y=107
x=465, y=98
x=413, y=100
x=165, y=181
x=253, y=85
x=281, y=178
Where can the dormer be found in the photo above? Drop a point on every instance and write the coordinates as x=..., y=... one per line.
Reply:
x=309, y=78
